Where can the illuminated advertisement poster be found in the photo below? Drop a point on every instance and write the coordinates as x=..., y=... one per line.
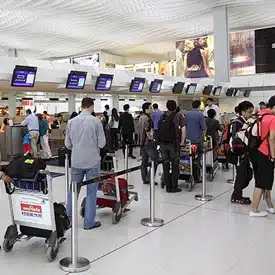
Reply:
x=92, y=60
x=163, y=69
x=242, y=53
x=195, y=57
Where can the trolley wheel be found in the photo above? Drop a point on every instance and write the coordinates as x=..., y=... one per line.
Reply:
x=117, y=213
x=53, y=249
x=191, y=183
x=7, y=245
x=162, y=183
x=211, y=177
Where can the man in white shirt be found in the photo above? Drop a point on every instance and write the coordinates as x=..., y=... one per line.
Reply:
x=31, y=121
x=209, y=106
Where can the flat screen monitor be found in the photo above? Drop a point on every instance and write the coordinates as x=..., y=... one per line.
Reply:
x=23, y=76
x=230, y=92
x=137, y=85
x=207, y=90
x=178, y=88
x=237, y=92
x=155, y=86
x=76, y=80
x=104, y=82
x=191, y=89
x=247, y=93
x=217, y=91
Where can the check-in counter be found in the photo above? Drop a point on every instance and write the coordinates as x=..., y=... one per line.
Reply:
x=11, y=142
x=57, y=138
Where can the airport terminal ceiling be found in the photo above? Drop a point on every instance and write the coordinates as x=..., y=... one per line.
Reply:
x=60, y=28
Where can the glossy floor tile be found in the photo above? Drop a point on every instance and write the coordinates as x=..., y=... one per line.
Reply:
x=213, y=238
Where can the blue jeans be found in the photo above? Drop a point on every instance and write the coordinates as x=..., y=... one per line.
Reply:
x=77, y=175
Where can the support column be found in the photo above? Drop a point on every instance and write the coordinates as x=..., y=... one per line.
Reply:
x=12, y=104
x=115, y=102
x=221, y=45
x=71, y=102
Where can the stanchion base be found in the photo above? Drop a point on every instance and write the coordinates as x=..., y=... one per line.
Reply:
x=204, y=198
x=230, y=181
x=82, y=265
x=155, y=223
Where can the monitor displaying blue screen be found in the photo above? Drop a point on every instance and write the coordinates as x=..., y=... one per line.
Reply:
x=217, y=91
x=191, y=89
x=23, y=76
x=155, y=86
x=137, y=84
x=76, y=80
x=104, y=82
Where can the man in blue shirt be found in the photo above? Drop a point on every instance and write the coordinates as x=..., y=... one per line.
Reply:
x=195, y=124
x=156, y=115
x=85, y=137
x=31, y=121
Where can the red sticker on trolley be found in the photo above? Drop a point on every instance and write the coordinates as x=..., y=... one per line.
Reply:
x=31, y=208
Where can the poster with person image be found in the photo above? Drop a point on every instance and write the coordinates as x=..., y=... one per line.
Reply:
x=195, y=57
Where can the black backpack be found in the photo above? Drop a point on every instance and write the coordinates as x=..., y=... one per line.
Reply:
x=166, y=128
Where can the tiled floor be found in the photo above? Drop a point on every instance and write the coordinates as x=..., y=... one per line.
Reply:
x=212, y=238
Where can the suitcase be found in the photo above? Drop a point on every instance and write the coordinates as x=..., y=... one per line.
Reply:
x=61, y=155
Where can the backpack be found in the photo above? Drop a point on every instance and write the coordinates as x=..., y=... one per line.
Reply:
x=166, y=128
x=249, y=137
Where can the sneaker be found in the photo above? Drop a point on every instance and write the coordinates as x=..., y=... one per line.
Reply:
x=270, y=210
x=176, y=190
x=132, y=157
x=97, y=224
x=258, y=213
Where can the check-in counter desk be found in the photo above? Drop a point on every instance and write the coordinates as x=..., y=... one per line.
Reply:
x=57, y=138
x=11, y=142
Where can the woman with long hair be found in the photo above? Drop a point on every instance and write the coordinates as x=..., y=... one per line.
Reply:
x=44, y=140
x=4, y=125
x=113, y=124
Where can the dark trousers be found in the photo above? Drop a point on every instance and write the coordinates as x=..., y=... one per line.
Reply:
x=127, y=139
x=148, y=152
x=170, y=155
x=114, y=138
x=244, y=175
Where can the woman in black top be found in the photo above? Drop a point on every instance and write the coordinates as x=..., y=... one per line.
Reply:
x=213, y=127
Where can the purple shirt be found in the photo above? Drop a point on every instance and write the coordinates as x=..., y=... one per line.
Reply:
x=156, y=115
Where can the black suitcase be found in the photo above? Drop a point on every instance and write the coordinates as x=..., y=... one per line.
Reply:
x=61, y=155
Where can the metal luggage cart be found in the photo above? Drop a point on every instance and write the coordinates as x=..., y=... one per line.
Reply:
x=212, y=164
x=186, y=166
x=32, y=209
x=109, y=194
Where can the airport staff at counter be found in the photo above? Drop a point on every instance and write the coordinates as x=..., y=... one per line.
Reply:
x=209, y=106
x=31, y=121
x=85, y=137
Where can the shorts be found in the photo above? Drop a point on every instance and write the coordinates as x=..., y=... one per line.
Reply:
x=263, y=170
x=27, y=148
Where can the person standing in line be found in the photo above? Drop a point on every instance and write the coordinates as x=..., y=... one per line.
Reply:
x=113, y=124
x=263, y=162
x=44, y=140
x=209, y=106
x=156, y=115
x=4, y=125
x=244, y=172
x=127, y=128
x=31, y=121
x=85, y=137
x=148, y=149
x=172, y=134
x=107, y=109
x=213, y=127
x=262, y=105
x=48, y=118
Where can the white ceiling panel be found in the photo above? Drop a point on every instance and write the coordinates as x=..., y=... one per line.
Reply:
x=142, y=29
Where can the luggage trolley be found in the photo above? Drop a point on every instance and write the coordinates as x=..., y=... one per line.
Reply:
x=212, y=164
x=32, y=210
x=113, y=193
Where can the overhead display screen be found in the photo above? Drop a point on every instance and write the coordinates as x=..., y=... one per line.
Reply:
x=76, y=80
x=23, y=76
x=217, y=91
x=104, y=82
x=191, y=89
x=137, y=85
x=155, y=86
x=178, y=87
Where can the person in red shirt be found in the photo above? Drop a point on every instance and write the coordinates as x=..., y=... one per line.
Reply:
x=263, y=162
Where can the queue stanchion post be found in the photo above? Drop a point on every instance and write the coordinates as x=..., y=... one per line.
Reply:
x=203, y=196
x=67, y=178
x=232, y=181
x=74, y=264
x=126, y=165
x=152, y=221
